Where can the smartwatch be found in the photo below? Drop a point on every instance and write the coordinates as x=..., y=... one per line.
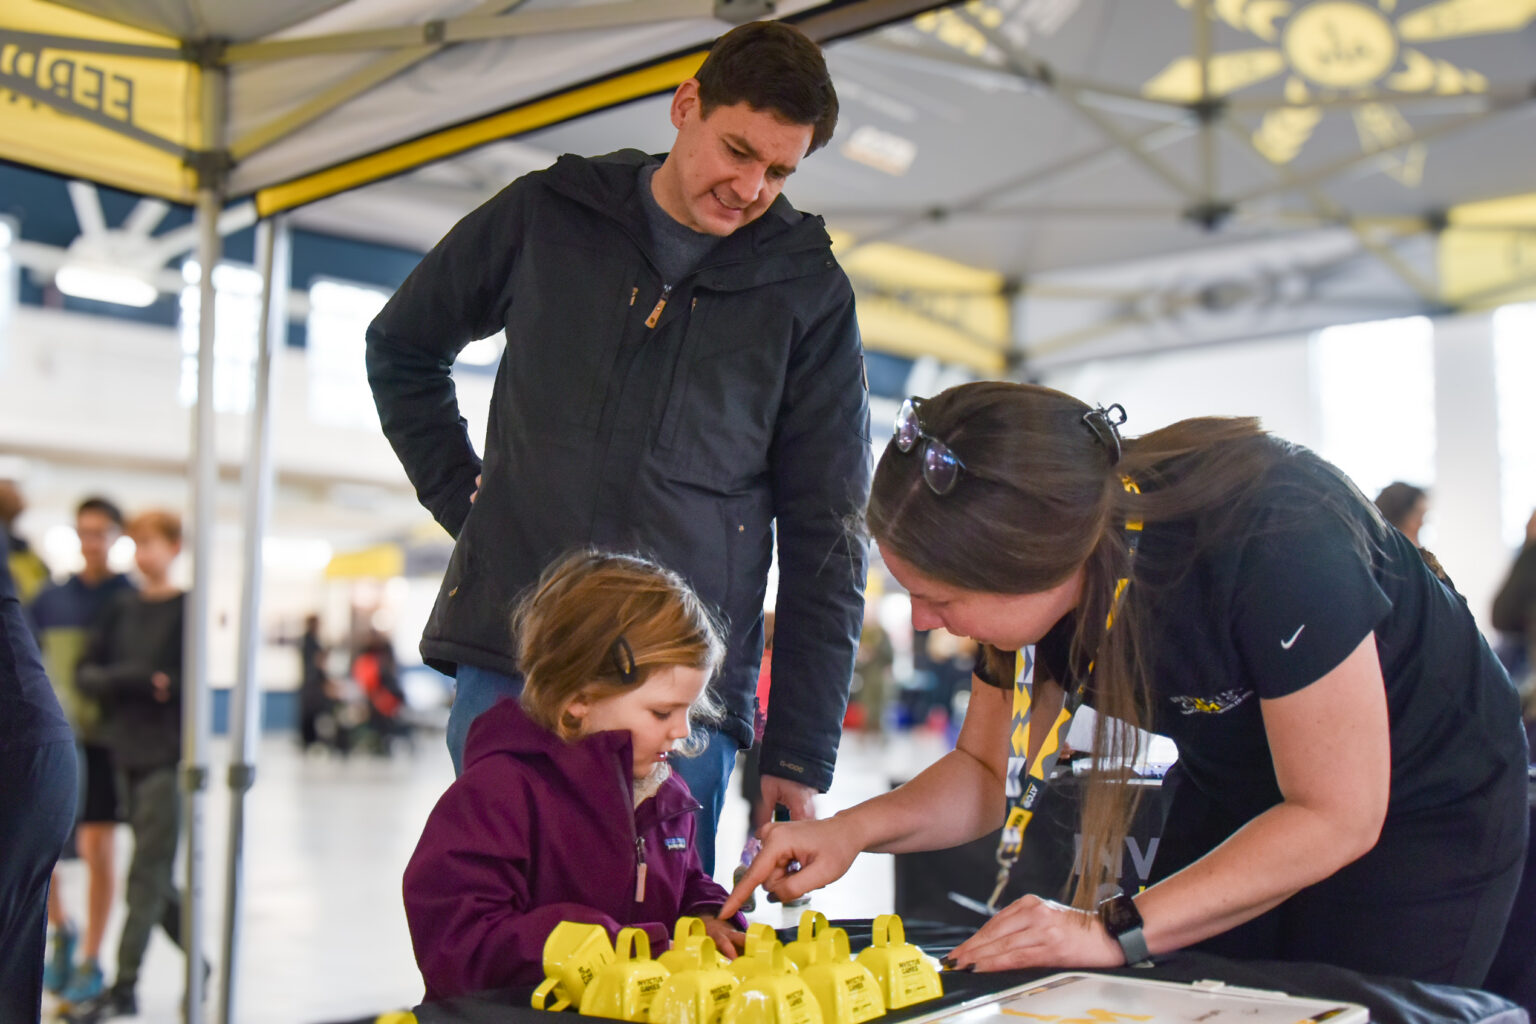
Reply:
x=1123, y=922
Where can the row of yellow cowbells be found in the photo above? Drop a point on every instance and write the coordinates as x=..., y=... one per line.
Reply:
x=812, y=980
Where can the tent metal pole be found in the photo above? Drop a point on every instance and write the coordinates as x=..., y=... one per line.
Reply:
x=1205, y=110
x=272, y=257
x=196, y=711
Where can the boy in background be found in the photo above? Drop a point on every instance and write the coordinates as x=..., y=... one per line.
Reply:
x=62, y=615
x=132, y=666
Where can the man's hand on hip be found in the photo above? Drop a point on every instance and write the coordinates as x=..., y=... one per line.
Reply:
x=796, y=796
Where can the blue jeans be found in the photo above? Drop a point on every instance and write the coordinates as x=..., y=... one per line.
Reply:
x=707, y=774
x=475, y=690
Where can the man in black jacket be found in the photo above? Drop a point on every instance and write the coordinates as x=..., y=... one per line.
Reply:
x=683, y=378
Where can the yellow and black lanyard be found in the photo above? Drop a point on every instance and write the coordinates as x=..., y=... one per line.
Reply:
x=1026, y=788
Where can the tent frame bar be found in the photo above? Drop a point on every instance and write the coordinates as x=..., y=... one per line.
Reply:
x=1326, y=207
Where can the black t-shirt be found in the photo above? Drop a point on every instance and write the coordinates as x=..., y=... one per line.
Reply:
x=1278, y=604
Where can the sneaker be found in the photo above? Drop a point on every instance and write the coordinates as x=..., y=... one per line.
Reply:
x=84, y=984
x=114, y=1002
x=56, y=972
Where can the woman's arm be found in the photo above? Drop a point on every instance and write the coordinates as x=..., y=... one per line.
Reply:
x=1332, y=758
x=956, y=799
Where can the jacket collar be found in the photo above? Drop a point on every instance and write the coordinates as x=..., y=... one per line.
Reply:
x=589, y=761
x=606, y=185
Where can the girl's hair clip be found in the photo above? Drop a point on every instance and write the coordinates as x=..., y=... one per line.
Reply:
x=1105, y=424
x=623, y=657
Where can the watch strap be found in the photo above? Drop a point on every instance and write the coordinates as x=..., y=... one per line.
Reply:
x=1134, y=944
x=1122, y=920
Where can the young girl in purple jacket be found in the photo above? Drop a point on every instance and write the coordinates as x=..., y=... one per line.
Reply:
x=567, y=808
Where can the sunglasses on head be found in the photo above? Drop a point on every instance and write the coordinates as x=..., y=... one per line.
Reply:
x=941, y=466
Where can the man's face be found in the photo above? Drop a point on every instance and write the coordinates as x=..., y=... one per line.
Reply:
x=97, y=534
x=732, y=164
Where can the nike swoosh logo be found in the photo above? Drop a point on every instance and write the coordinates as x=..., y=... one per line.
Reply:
x=1285, y=645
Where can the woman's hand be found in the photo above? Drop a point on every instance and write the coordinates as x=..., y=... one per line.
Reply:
x=1032, y=932
x=797, y=856
x=728, y=940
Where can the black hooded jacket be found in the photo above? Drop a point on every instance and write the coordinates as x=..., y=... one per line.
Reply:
x=687, y=423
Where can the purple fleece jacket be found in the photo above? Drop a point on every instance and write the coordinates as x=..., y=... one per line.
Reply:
x=537, y=831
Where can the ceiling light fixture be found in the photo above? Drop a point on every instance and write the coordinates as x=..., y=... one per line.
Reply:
x=105, y=284
x=881, y=150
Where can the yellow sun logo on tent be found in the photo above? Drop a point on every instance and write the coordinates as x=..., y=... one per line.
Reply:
x=1342, y=48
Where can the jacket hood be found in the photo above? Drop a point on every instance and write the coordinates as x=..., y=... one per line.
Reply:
x=606, y=184
x=506, y=730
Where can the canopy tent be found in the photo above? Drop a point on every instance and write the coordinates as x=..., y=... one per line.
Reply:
x=1140, y=175
x=321, y=96
x=1014, y=183
x=289, y=101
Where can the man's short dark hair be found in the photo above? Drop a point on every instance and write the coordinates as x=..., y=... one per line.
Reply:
x=775, y=67
x=96, y=503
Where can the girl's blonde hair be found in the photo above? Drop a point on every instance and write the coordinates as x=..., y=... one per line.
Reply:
x=599, y=623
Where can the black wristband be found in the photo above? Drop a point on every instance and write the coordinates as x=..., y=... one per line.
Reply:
x=1123, y=922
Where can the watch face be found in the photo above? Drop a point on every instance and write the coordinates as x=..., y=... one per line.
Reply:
x=1119, y=914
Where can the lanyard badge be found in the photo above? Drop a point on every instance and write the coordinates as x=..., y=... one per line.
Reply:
x=1025, y=788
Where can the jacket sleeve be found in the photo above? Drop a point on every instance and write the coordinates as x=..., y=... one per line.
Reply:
x=102, y=674
x=467, y=900
x=703, y=896
x=821, y=467
x=457, y=294
x=1514, y=606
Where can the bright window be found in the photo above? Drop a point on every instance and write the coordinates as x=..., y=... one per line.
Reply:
x=1514, y=361
x=1376, y=396
x=339, y=314
x=237, y=320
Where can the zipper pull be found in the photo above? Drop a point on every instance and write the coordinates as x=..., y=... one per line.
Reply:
x=661, y=304
x=640, y=871
x=634, y=293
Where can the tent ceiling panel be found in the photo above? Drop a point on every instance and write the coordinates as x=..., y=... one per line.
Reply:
x=1028, y=137
x=206, y=19
x=470, y=81
x=1471, y=165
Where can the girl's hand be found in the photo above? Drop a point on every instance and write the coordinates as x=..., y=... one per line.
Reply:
x=1032, y=932
x=728, y=940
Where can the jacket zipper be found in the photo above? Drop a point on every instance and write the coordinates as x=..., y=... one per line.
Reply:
x=661, y=304
x=640, y=869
